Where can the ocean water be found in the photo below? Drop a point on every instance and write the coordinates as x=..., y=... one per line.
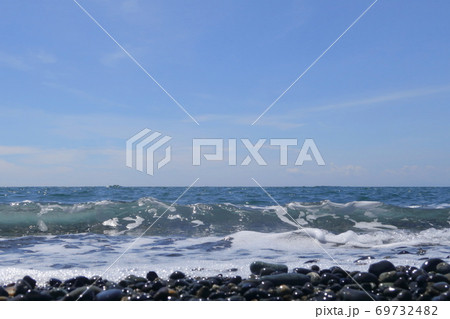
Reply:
x=63, y=232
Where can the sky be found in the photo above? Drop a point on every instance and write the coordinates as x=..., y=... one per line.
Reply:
x=376, y=103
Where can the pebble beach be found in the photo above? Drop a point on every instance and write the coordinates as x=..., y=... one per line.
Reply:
x=383, y=281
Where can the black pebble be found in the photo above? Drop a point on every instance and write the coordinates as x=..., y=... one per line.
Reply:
x=151, y=275
x=257, y=266
x=161, y=294
x=3, y=292
x=109, y=295
x=365, y=277
x=381, y=267
x=53, y=282
x=22, y=287
x=300, y=270
x=30, y=281
x=315, y=268
x=430, y=264
x=326, y=277
x=81, y=281
x=293, y=279
x=177, y=275
x=266, y=271
x=355, y=295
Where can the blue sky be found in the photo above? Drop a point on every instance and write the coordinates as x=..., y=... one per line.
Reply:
x=376, y=105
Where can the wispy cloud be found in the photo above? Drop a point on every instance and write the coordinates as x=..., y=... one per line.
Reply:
x=111, y=59
x=13, y=61
x=33, y=156
x=26, y=62
x=17, y=150
x=45, y=57
x=347, y=170
x=388, y=97
x=282, y=122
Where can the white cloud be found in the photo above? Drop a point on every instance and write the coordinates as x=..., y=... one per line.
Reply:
x=282, y=122
x=17, y=150
x=13, y=61
x=111, y=59
x=347, y=170
x=45, y=57
x=389, y=97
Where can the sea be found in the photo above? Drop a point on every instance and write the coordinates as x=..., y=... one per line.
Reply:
x=62, y=232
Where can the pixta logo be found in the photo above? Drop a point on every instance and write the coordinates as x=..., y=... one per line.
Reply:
x=253, y=151
x=141, y=148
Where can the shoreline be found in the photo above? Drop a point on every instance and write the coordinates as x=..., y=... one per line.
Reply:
x=382, y=281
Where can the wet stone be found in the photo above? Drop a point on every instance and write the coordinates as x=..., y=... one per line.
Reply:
x=53, y=282
x=441, y=286
x=81, y=281
x=266, y=271
x=58, y=293
x=30, y=281
x=3, y=292
x=203, y=292
x=443, y=268
x=257, y=266
x=326, y=277
x=177, y=275
x=431, y=264
x=325, y=296
x=161, y=294
x=21, y=287
x=389, y=276
x=315, y=268
x=109, y=295
x=255, y=293
x=365, y=277
x=300, y=270
x=380, y=267
x=355, y=295
x=34, y=295
x=314, y=278
x=404, y=295
x=401, y=283
x=287, y=279
x=283, y=290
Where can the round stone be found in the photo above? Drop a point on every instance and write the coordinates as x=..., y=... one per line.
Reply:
x=389, y=276
x=431, y=264
x=53, y=282
x=300, y=270
x=109, y=295
x=441, y=286
x=177, y=275
x=151, y=275
x=3, y=292
x=293, y=279
x=380, y=267
x=266, y=271
x=30, y=281
x=314, y=278
x=257, y=266
x=348, y=294
x=443, y=268
x=365, y=277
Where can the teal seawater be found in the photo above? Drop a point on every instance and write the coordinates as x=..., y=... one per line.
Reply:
x=205, y=211
x=63, y=232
